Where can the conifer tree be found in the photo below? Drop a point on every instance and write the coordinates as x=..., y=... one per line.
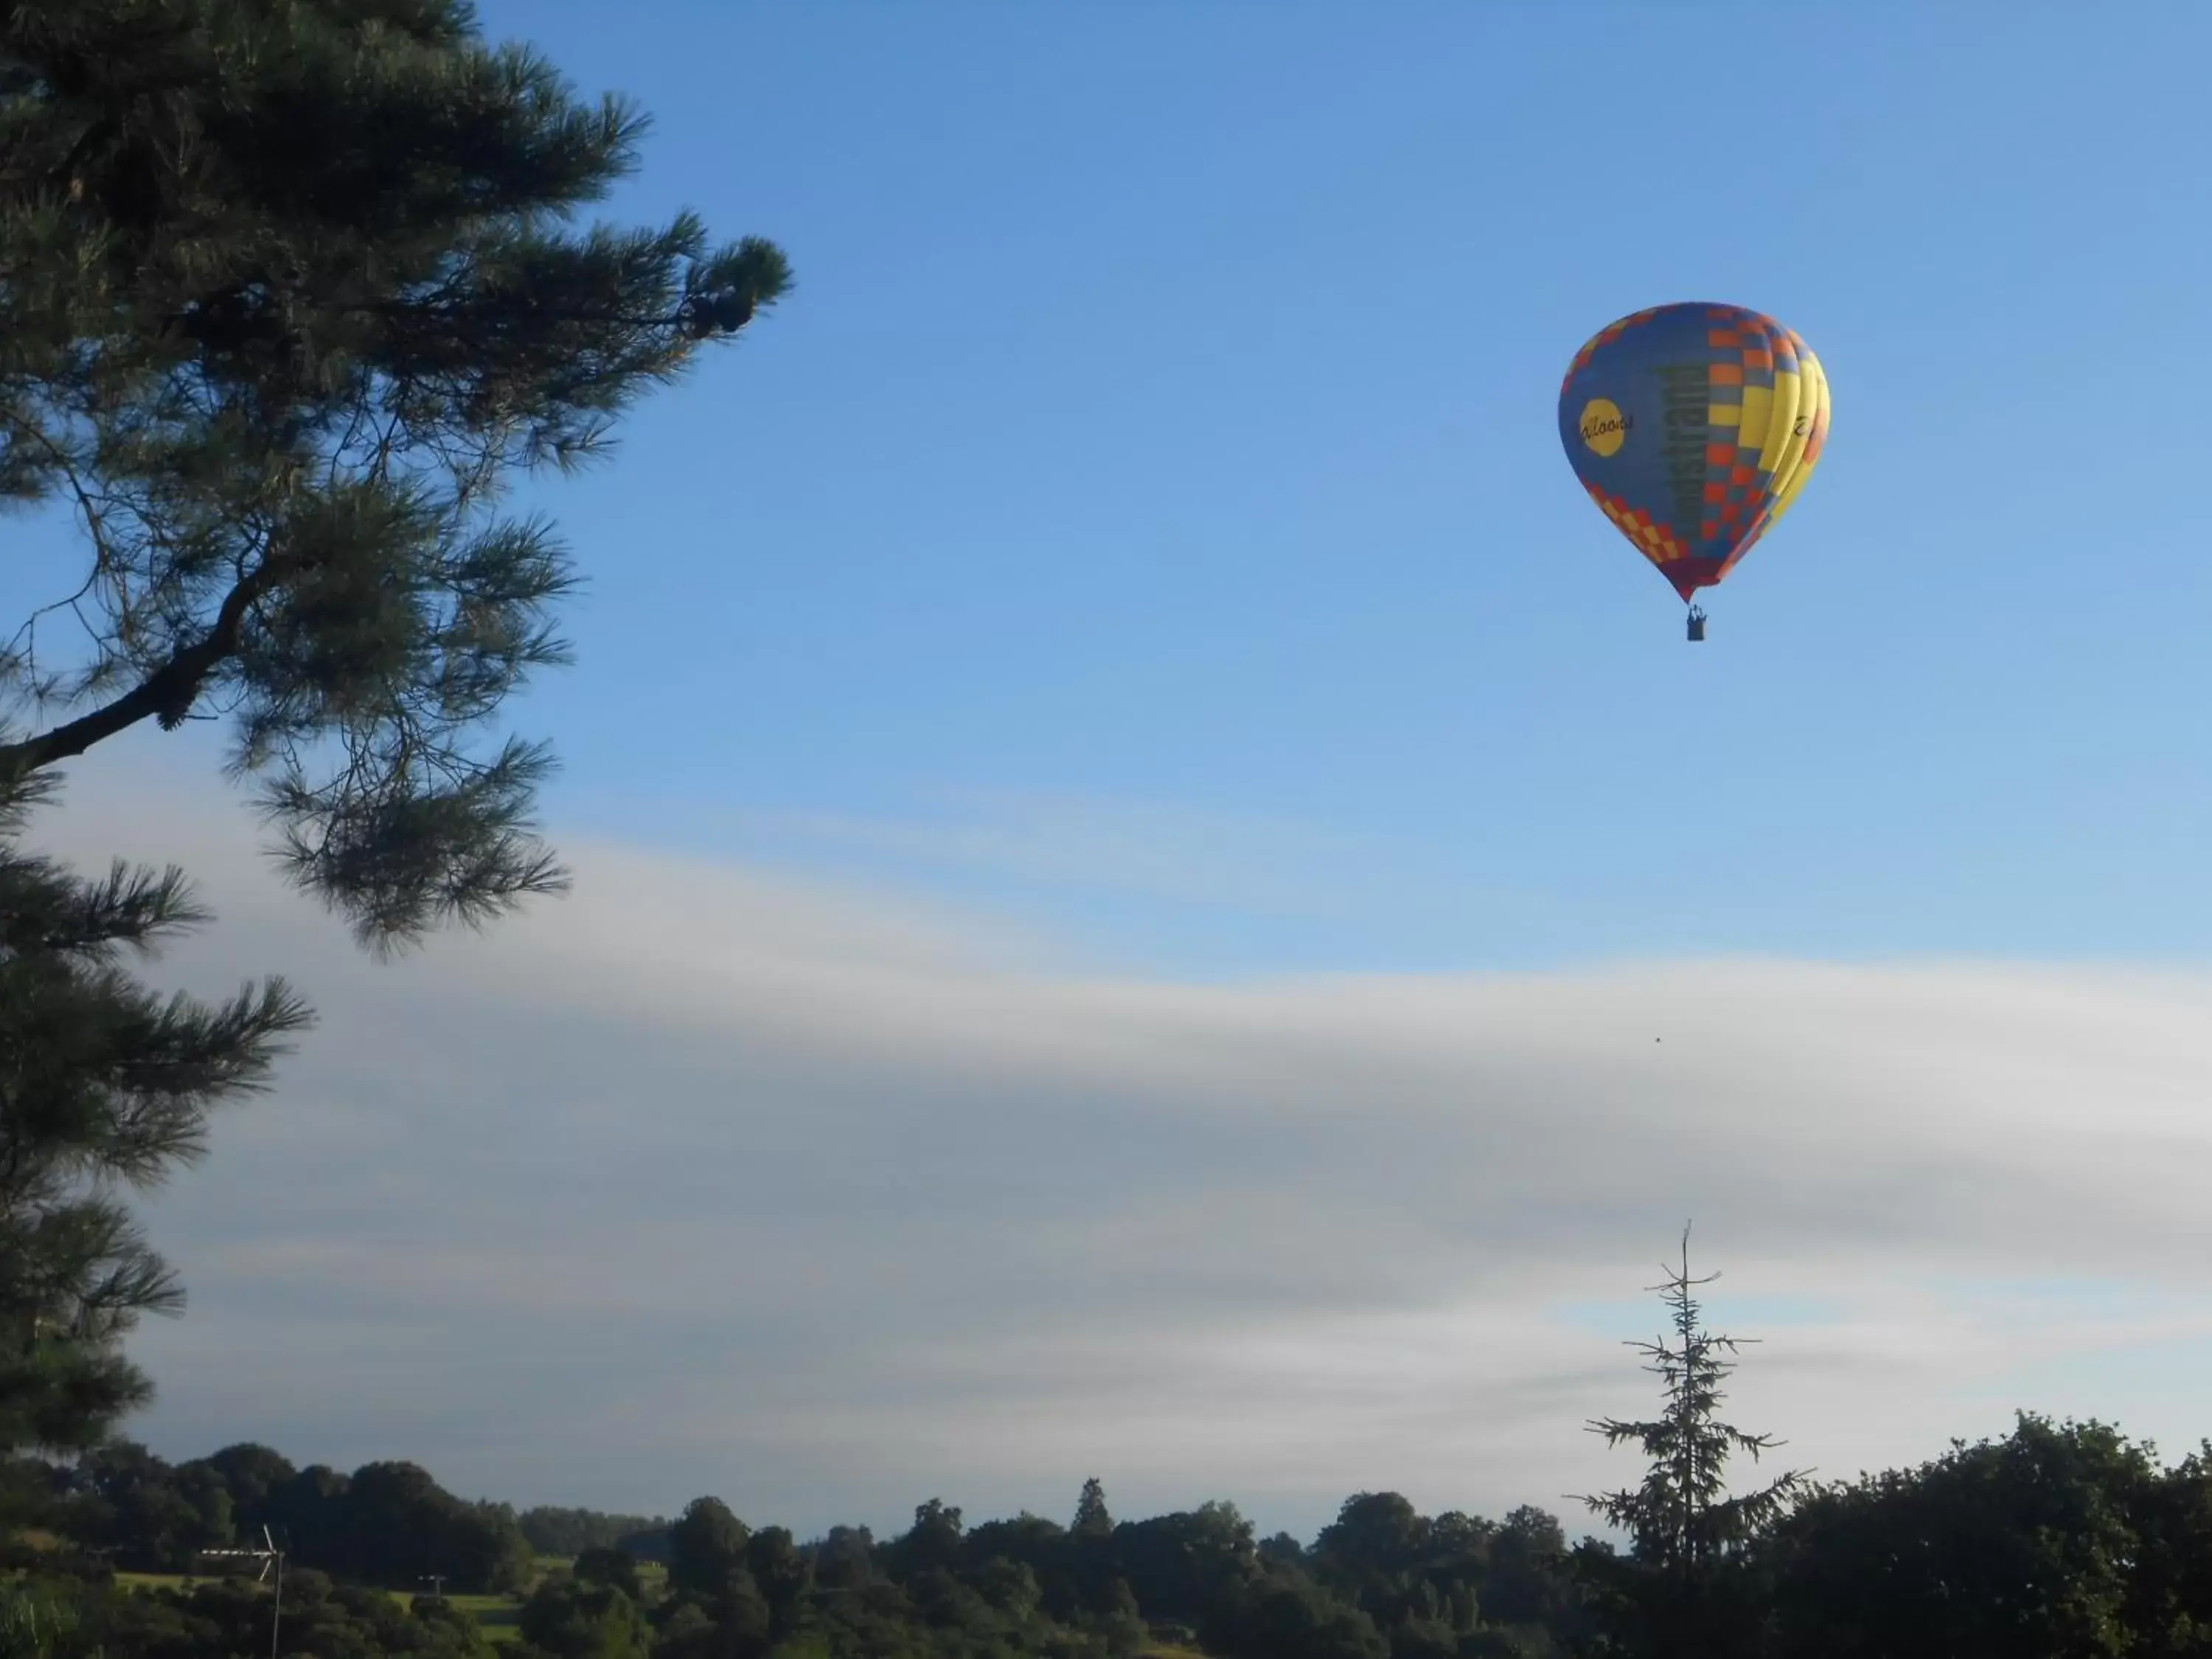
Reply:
x=289, y=291
x=1683, y=1589
x=1092, y=1519
x=105, y=1087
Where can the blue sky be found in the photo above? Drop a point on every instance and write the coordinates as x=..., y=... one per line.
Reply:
x=1136, y=832
x=1162, y=430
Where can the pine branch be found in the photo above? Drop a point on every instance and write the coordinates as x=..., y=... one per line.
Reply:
x=308, y=245
x=167, y=694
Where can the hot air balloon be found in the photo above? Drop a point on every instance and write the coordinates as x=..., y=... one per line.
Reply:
x=1693, y=428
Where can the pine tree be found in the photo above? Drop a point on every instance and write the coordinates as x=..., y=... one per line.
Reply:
x=1682, y=1591
x=104, y=1086
x=289, y=291
x=1092, y=1518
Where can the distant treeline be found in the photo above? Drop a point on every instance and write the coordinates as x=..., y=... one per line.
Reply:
x=2060, y=1541
x=1382, y=1580
x=387, y=1524
x=569, y=1533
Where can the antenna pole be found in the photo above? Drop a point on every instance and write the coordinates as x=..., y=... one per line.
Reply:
x=276, y=1612
x=268, y=1556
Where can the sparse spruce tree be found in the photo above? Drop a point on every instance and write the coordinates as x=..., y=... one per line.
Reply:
x=1092, y=1519
x=105, y=1087
x=290, y=289
x=1685, y=1588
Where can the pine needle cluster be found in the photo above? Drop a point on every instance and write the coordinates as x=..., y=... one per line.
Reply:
x=106, y=1089
x=291, y=292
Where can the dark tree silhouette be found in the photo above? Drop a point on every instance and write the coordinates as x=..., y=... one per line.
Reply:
x=105, y=1087
x=1684, y=1588
x=288, y=292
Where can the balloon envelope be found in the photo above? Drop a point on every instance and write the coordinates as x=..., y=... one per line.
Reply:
x=1693, y=427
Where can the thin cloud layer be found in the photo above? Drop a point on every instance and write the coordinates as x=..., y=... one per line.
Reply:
x=829, y=1200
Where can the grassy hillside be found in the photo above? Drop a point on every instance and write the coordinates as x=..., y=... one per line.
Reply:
x=495, y=1615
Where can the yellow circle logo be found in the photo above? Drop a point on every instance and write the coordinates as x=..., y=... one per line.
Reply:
x=1605, y=428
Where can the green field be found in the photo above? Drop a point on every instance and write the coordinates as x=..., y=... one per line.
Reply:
x=495, y=1614
x=155, y=1580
